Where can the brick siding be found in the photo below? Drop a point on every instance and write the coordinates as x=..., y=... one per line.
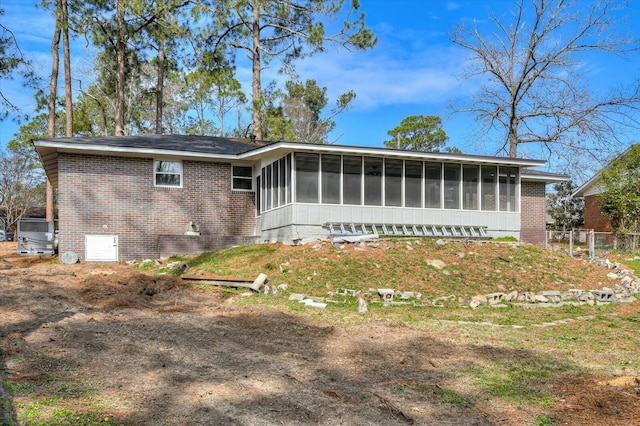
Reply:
x=171, y=245
x=116, y=196
x=533, y=213
x=593, y=217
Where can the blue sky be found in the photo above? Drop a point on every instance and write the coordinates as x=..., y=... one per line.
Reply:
x=413, y=70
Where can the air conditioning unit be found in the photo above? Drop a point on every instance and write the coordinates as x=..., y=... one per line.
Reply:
x=36, y=237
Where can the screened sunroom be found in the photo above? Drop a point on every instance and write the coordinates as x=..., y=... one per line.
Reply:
x=300, y=194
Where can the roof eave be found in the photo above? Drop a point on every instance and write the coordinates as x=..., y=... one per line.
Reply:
x=436, y=156
x=121, y=151
x=547, y=178
x=257, y=152
x=580, y=192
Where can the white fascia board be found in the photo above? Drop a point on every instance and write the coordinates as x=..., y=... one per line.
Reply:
x=591, y=187
x=255, y=154
x=544, y=178
x=587, y=188
x=385, y=152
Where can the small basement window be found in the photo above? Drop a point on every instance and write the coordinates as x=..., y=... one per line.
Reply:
x=242, y=178
x=167, y=173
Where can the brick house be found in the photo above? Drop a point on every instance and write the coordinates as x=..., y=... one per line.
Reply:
x=590, y=191
x=132, y=197
x=593, y=217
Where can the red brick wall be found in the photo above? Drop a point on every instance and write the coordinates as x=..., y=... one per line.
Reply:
x=593, y=217
x=116, y=196
x=533, y=213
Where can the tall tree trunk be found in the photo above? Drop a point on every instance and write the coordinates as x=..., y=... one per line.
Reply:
x=513, y=136
x=53, y=93
x=120, y=46
x=257, y=85
x=221, y=114
x=160, y=87
x=68, y=98
x=53, y=81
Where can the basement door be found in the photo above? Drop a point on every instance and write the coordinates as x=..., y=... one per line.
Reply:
x=101, y=248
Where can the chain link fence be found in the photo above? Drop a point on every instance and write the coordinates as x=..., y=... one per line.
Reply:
x=580, y=242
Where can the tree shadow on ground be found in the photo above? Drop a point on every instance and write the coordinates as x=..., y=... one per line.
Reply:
x=180, y=356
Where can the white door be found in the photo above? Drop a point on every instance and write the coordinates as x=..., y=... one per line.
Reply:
x=101, y=248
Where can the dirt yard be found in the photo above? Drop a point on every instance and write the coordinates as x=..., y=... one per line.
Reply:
x=136, y=349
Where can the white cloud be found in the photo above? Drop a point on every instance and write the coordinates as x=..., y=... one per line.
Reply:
x=385, y=78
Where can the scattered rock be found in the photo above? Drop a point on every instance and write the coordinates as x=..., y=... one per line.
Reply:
x=313, y=304
x=482, y=300
x=178, y=266
x=362, y=305
x=540, y=298
x=494, y=298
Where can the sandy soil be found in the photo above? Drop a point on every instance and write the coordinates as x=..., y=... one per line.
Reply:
x=155, y=352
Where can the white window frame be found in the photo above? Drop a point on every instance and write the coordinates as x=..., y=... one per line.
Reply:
x=249, y=178
x=155, y=173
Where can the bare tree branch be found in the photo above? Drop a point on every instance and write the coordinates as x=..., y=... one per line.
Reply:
x=535, y=91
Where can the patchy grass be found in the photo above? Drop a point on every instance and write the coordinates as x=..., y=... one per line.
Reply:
x=449, y=396
x=405, y=265
x=633, y=263
x=510, y=365
x=52, y=412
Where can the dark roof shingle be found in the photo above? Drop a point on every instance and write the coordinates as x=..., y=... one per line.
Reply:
x=185, y=143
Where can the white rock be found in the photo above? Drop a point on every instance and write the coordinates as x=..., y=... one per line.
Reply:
x=480, y=299
x=362, y=305
x=313, y=304
x=296, y=296
x=436, y=263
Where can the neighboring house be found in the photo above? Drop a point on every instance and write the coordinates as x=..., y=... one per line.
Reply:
x=132, y=197
x=590, y=191
x=593, y=217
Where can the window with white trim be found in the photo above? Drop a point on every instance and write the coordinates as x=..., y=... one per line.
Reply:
x=242, y=178
x=167, y=173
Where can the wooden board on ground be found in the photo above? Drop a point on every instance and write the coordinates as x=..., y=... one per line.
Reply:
x=235, y=282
